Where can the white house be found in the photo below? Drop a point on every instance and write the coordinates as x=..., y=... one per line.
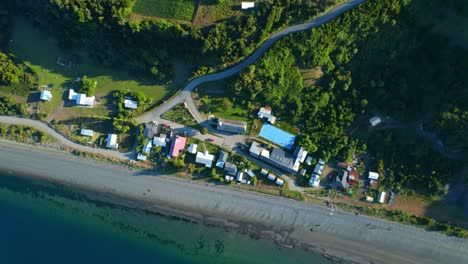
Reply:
x=373, y=175
x=46, y=95
x=81, y=99
x=132, y=104
x=375, y=121
x=141, y=157
x=247, y=5
x=86, y=132
x=192, y=148
x=314, y=180
x=112, y=141
x=160, y=141
x=147, y=147
x=204, y=158
x=279, y=181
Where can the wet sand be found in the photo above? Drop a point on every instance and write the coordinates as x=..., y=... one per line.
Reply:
x=343, y=235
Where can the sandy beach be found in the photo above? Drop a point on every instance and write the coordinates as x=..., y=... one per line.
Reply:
x=352, y=238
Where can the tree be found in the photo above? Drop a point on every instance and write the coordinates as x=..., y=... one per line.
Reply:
x=214, y=174
x=86, y=86
x=227, y=104
x=204, y=130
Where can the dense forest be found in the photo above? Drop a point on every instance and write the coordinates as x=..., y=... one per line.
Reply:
x=381, y=58
x=101, y=29
x=239, y=36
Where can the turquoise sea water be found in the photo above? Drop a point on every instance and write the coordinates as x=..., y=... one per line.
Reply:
x=46, y=223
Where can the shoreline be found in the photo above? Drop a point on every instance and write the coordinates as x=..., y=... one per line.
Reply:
x=342, y=237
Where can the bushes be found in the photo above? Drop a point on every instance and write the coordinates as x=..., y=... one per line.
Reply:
x=119, y=98
x=9, y=107
x=405, y=218
x=86, y=86
x=23, y=134
x=291, y=194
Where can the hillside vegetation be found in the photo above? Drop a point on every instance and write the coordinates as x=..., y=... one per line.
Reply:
x=377, y=58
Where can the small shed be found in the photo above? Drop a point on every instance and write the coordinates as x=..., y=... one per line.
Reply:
x=147, y=147
x=112, y=141
x=250, y=173
x=303, y=172
x=240, y=176
x=141, y=157
x=369, y=199
x=264, y=172
x=46, y=95
x=318, y=169
x=373, y=175
x=192, y=148
x=382, y=196
x=131, y=104
x=314, y=180
x=271, y=177
x=86, y=132
x=228, y=178
x=247, y=5
x=375, y=121
x=309, y=160
x=279, y=181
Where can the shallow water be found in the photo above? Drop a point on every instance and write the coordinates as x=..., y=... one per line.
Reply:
x=46, y=223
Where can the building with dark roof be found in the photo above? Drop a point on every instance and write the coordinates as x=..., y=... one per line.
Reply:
x=233, y=126
x=150, y=130
x=341, y=181
x=230, y=168
x=280, y=159
x=223, y=155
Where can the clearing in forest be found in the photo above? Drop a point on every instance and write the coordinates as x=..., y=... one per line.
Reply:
x=171, y=9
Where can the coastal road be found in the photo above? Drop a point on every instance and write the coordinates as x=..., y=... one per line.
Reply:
x=185, y=94
x=354, y=238
x=63, y=140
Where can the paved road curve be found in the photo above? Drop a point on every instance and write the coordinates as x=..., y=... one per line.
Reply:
x=63, y=140
x=185, y=94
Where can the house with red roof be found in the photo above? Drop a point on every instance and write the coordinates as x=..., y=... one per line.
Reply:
x=178, y=144
x=353, y=177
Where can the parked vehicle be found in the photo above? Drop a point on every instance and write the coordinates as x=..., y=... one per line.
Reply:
x=210, y=140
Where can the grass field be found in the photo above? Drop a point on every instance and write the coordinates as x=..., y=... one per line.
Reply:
x=180, y=115
x=209, y=12
x=40, y=52
x=172, y=9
